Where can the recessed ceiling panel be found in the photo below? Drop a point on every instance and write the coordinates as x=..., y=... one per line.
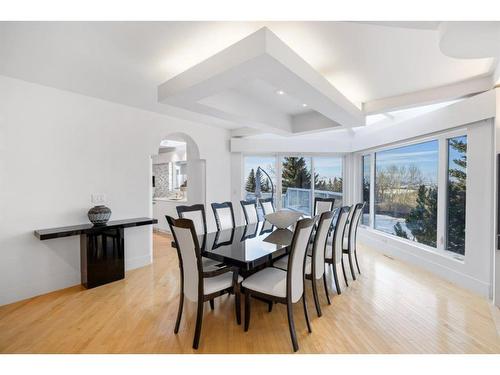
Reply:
x=260, y=82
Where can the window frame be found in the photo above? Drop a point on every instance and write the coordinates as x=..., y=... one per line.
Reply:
x=442, y=184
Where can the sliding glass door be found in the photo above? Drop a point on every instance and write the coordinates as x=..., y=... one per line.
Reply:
x=296, y=186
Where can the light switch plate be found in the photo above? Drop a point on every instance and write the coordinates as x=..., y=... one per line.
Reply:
x=98, y=198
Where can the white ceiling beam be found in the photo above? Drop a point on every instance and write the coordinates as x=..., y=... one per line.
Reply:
x=312, y=122
x=430, y=96
x=244, y=132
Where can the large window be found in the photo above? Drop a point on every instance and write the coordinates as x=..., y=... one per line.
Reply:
x=419, y=191
x=302, y=178
x=365, y=192
x=406, y=192
x=296, y=188
x=457, y=175
x=328, y=178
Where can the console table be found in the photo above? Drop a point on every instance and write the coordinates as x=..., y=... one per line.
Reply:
x=101, y=248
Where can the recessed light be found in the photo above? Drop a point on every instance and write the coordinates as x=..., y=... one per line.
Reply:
x=280, y=92
x=304, y=105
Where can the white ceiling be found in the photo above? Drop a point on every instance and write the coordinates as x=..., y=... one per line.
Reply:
x=126, y=61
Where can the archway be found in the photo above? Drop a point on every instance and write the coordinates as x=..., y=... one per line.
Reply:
x=178, y=176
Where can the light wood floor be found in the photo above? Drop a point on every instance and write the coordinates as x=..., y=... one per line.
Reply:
x=391, y=308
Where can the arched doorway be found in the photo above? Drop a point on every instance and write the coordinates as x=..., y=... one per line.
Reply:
x=178, y=176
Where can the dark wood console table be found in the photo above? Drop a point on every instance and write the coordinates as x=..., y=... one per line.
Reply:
x=101, y=248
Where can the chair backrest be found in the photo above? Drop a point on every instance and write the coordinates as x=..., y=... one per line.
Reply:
x=224, y=215
x=297, y=259
x=250, y=211
x=267, y=205
x=338, y=233
x=353, y=227
x=319, y=245
x=188, y=251
x=349, y=220
x=323, y=205
x=196, y=213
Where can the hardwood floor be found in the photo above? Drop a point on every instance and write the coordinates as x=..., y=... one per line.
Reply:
x=391, y=308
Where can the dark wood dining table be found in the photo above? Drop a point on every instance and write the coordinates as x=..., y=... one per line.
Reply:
x=246, y=247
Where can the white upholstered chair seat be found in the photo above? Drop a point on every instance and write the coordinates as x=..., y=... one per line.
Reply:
x=271, y=281
x=217, y=283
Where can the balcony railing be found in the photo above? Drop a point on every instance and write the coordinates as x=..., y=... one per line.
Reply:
x=298, y=199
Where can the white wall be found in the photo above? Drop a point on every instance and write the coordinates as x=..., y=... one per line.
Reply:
x=56, y=148
x=178, y=154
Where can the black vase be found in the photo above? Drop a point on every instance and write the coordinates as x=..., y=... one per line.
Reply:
x=99, y=215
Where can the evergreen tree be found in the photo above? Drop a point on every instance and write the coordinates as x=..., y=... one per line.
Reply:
x=295, y=173
x=250, y=185
x=422, y=220
x=399, y=231
x=456, y=198
x=265, y=185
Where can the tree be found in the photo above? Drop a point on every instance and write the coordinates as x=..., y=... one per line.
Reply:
x=422, y=220
x=265, y=184
x=295, y=173
x=399, y=231
x=250, y=185
x=456, y=197
x=251, y=182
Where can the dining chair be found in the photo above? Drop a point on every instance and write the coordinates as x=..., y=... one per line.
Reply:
x=323, y=205
x=349, y=245
x=345, y=237
x=250, y=212
x=224, y=215
x=315, y=264
x=196, y=284
x=287, y=287
x=333, y=254
x=196, y=213
x=267, y=206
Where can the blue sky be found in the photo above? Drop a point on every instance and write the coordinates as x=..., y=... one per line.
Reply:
x=423, y=155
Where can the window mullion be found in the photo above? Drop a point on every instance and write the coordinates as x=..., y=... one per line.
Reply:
x=442, y=193
x=313, y=173
x=372, y=190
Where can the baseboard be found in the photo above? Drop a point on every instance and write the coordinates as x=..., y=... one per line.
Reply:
x=416, y=256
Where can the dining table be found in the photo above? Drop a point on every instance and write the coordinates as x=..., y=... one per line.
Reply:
x=247, y=248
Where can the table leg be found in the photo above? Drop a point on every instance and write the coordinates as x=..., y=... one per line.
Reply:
x=102, y=261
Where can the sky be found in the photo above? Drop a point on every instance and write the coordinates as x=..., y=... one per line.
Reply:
x=423, y=155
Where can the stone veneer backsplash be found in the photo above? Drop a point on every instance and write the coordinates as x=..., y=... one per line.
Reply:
x=161, y=189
